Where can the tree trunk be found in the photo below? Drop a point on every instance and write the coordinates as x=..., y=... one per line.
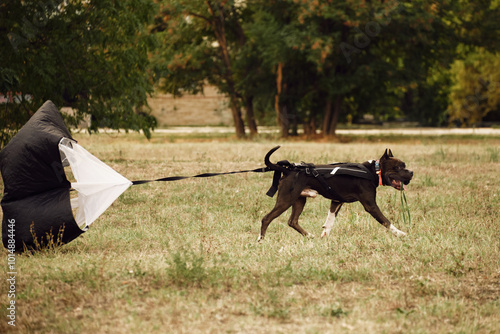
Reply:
x=220, y=34
x=239, y=126
x=310, y=124
x=337, y=108
x=332, y=116
x=328, y=117
x=250, y=118
x=281, y=111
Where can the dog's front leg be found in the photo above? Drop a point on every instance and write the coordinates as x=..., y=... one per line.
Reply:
x=372, y=208
x=330, y=219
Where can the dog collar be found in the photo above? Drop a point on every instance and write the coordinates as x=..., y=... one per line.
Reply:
x=378, y=170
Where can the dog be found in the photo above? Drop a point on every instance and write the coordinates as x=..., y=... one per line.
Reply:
x=297, y=184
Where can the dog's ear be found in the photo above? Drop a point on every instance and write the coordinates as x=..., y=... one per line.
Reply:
x=385, y=156
x=390, y=154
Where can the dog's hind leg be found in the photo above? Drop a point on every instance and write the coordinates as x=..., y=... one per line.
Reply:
x=288, y=193
x=293, y=222
x=330, y=219
x=278, y=209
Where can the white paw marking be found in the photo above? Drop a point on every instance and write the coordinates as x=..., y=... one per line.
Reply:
x=327, y=226
x=396, y=232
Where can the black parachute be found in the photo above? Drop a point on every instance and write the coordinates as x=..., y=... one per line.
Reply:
x=36, y=202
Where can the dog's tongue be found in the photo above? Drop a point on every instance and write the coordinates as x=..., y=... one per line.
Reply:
x=398, y=185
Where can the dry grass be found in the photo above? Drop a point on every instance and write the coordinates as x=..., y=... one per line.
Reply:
x=182, y=257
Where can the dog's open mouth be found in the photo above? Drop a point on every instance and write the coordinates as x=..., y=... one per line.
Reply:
x=397, y=184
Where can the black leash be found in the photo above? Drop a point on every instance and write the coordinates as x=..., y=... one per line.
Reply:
x=177, y=178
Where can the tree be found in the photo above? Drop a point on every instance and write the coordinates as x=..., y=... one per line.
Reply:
x=475, y=91
x=200, y=42
x=331, y=59
x=475, y=74
x=460, y=28
x=374, y=54
x=91, y=56
x=316, y=63
x=271, y=33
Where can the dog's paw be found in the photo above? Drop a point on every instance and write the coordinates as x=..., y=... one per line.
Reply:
x=325, y=233
x=400, y=234
x=396, y=232
x=260, y=238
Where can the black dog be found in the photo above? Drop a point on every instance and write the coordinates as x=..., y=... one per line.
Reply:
x=299, y=183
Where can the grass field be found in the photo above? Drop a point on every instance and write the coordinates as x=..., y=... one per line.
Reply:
x=182, y=257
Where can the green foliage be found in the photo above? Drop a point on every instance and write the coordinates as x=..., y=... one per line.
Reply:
x=201, y=40
x=88, y=55
x=390, y=59
x=187, y=269
x=272, y=306
x=187, y=55
x=295, y=62
x=493, y=151
x=476, y=87
x=334, y=311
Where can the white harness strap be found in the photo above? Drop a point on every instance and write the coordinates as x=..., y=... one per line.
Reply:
x=335, y=170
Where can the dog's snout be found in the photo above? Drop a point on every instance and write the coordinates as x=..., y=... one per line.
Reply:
x=411, y=173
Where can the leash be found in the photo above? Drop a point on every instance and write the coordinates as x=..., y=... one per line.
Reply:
x=405, y=209
x=177, y=178
x=309, y=169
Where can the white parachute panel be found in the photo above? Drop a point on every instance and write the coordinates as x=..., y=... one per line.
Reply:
x=98, y=185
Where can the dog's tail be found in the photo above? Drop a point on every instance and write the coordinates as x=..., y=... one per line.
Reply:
x=278, y=168
x=272, y=166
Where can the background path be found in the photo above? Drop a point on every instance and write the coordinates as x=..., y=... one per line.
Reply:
x=396, y=131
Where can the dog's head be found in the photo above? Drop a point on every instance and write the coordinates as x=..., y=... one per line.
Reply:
x=394, y=171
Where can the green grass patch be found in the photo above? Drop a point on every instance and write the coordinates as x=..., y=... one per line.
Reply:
x=182, y=256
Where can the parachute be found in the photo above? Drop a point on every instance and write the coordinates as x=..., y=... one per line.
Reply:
x=38, y=210
x=41, y=208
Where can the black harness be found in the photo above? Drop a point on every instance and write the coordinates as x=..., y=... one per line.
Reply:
x=322, y=173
